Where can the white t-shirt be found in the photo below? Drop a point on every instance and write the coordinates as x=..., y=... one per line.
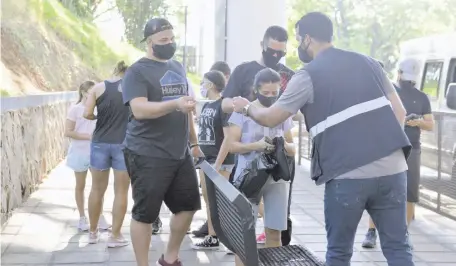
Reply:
x=83, y=126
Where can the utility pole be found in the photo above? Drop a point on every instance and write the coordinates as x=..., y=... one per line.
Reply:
x=184, y=57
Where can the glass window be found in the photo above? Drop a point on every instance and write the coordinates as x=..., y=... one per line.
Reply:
x=432, y=73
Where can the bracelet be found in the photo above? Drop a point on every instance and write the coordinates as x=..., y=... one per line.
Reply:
x=193, y=145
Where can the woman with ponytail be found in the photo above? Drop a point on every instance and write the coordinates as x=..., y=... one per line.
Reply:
x=79, y=130
x=106, y=153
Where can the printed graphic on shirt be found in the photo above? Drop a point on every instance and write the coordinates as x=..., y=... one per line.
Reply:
x=173, y=86
x=285, y=76
x=206, y=134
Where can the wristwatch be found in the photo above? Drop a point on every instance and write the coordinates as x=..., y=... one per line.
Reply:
x=245, y=110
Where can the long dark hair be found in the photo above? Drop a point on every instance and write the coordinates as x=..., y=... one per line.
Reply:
x=120, y=69
x=84, y=88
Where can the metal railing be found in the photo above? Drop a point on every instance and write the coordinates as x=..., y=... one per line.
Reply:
x=438, y=163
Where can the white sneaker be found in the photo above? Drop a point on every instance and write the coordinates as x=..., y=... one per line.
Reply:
x=117, y=242
x=94, y=237
x=83, y=225
x=103, y=224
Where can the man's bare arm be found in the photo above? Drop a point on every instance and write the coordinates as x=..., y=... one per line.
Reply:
x=268, y=117
x=393, y=97
x=427, y=123
x=299, y=92
x=191, y=127
x=143, y=109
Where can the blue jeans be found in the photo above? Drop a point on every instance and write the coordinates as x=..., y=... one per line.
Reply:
x=104, y=156
x=384, y=198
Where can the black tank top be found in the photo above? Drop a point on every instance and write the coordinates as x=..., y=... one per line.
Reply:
x=112, y=115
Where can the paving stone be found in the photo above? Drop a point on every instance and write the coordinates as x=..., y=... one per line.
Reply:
x=80, y=257
x=43, y=231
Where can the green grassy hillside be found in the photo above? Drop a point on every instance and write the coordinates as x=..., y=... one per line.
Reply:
x=84, y=36
x=45, y=47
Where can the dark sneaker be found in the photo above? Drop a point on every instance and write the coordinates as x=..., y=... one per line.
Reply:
x=208, y=243
x=162, y=262
x=371, y=239
x=156, y=226
x=203, y=231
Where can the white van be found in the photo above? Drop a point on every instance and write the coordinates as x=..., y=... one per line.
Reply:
x=437, y=55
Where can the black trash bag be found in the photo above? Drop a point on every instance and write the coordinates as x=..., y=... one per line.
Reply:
x=254, y=176
x=283, y=170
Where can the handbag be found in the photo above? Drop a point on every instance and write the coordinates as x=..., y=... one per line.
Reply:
x=253, y=178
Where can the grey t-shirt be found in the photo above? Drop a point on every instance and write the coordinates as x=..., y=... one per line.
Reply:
x=167, y=136
x=253, y=132
x=299, y=92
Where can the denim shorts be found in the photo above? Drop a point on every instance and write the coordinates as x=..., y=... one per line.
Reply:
x=78, y=161
x=104, y=156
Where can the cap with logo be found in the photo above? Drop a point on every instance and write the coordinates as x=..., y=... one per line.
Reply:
x=156, y=25
x=410, y=69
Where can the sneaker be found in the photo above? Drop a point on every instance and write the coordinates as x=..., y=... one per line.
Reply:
x=162, y=262
x=371, y=239
x=103, y=224
x=94, y=237
x=203, y=231
x=156, y=226
x=83, y=224
x=261, y=239
x=116, y=242
x=208, y=243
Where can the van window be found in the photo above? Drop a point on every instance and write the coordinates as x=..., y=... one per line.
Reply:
x=431, y=79
x=451, y=74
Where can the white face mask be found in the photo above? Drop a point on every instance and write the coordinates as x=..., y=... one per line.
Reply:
x=203, y=91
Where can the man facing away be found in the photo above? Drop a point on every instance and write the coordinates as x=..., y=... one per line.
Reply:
x=355, y=119
x=156, y=143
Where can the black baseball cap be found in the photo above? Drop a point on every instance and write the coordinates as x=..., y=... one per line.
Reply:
x=156, y=25
x=317, y=25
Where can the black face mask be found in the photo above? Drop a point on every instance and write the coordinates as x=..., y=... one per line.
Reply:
x=270, y=60
x=266, y=101
x=164, y=51
x=304, y=55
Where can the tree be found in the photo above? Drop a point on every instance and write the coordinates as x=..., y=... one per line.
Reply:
x=82, y=8
x=136, y=13
x=377, y=27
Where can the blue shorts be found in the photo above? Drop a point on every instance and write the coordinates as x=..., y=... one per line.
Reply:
x=104, y=156
x=78, y=161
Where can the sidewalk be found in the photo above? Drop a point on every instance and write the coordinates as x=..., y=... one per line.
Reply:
x=43, y=231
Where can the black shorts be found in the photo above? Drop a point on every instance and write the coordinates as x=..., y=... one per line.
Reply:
x=413, y=175
x=154, y=180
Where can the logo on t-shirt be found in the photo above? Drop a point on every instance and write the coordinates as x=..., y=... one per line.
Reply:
x=206, y=134
x=173, y=86
x=285, y=77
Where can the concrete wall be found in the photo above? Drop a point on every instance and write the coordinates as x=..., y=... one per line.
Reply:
x=32, y=143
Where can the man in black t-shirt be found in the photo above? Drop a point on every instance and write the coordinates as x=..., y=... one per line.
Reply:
x=156, y=143
x=274, y=47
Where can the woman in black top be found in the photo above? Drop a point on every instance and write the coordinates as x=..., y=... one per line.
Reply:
x=213, y=125
x=106, y=153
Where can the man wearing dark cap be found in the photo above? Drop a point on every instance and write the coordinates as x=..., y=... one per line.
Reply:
x=156, y=143
x=355, y=119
